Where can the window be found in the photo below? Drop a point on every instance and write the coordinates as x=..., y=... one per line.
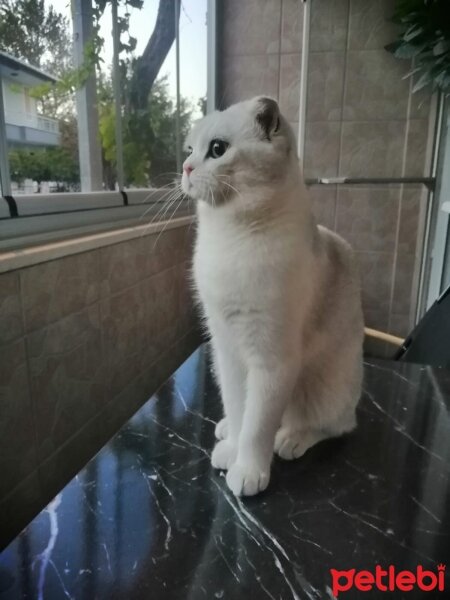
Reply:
x=92, y=134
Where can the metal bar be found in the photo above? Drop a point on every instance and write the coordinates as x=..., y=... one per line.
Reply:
x=438, y=230
x=5, y=179
x=303, y=82
x=429, y=182
x=117, y=102
x=91, y=177
x=425, y=259
x=177, y=66
x=211, y=57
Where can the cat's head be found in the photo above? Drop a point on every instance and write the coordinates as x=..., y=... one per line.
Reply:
x=247, y=147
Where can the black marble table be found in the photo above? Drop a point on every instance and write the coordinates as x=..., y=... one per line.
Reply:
x=148, y=518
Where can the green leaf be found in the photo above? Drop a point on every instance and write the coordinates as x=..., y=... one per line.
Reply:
x=423, y=81
x=412, y=33
x=441, y=47
x=409, y=50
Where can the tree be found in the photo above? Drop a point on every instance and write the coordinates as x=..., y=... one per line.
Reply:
x=31, y=31
x=149, y=141
x=149, y=64
x=40, y=35
x=49, y=164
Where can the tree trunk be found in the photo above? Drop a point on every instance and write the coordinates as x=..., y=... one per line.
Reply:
x=155, y=53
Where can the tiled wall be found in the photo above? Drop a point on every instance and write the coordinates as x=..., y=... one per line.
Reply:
x=362, y=121
x=260, y=42
x=84, y=341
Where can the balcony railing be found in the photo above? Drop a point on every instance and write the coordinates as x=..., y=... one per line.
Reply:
x=48, y=124
x=22, y=119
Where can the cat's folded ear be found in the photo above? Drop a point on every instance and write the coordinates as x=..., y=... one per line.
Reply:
x=267, y=116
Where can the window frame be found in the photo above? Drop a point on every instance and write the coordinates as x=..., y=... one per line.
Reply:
x=35, y=218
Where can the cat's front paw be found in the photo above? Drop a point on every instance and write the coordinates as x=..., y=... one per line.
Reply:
x=224, y=454
x=247, y=479
x=221, y=430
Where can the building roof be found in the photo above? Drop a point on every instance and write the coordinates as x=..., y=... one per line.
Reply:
x=22, y=72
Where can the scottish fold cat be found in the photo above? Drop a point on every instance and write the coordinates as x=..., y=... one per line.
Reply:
x=280, y=295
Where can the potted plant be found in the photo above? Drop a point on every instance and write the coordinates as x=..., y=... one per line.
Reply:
x=424, y=37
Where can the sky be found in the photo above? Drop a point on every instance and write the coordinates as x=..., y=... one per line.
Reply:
x=192, y=41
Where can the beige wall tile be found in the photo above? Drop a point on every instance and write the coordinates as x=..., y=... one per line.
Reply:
x=372, y=149
x=291, y=26
x=290, y=85
x=18, y=456
x=125, y=264
x=403, y=284
x=294, y=127
x=322, y=141
x=370, y=24
x=123, y=322
x=400, y=325
x=329, y=20
x=122, y=265
x=246, y=76
x=376, y=319
x=413, y=204
x=422, y=105
x=325, y=86
x=375, y=87
x=163, y=294
x=53, y=290
x=11, y=322
x=416, y=164
x=323, y=200
x=367, y=217
x=376, y=275
x=58, y=469
x=67, y=376
x=187, y=310
x=251, y=27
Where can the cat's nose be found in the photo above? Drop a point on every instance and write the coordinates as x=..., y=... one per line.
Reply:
x=188, y=169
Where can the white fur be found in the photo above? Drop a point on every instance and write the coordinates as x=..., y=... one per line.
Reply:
x=280, y=296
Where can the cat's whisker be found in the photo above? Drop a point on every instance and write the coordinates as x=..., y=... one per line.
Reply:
x=212, y=195
x=166, y=206
x=162, y=199
x=173, y=198
x=169, y=220
x=155, y=191
x=168, y=198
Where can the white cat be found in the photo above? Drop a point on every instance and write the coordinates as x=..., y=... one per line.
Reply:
x=280, y=295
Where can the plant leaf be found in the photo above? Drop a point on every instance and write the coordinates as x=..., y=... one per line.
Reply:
x=422, y=82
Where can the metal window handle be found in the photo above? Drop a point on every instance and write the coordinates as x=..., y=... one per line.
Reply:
x=429, y=182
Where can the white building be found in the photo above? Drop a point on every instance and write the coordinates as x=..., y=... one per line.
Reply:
x=24, y=125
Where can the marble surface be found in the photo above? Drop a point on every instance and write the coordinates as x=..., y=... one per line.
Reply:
x=149, y=518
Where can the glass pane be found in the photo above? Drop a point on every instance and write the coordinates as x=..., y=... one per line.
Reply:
x=43, y=129
x=149, y=134
x=36, y=51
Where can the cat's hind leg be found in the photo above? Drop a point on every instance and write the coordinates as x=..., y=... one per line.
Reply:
x=323, y=406
x=292, y=443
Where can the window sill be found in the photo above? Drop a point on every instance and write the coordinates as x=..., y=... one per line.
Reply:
x=81, y=240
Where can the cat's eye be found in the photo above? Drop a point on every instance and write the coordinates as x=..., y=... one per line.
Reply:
x=189, y=150
x=217, y=148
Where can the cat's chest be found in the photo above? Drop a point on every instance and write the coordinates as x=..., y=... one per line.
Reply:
x=226, y=275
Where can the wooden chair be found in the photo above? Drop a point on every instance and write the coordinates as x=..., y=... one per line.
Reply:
x=429, y=341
